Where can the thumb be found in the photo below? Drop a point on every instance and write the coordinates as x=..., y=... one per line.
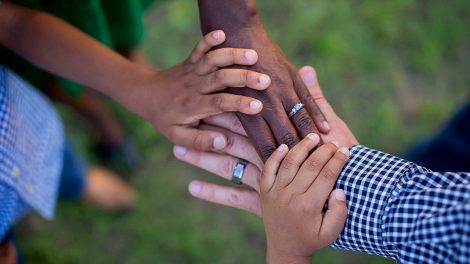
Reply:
x=309, y=77
x=335, y=216
x=198, y=139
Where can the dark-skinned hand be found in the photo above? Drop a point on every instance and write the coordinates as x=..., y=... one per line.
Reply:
x=272, y=126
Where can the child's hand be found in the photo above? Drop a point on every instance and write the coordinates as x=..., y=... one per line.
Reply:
x=178, y=98
x=293, y=197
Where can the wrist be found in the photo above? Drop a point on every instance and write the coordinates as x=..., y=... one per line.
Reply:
x=130, y=87
x=278, y=257
x=232, y=16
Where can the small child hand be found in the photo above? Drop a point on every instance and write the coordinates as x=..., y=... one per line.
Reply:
x=294, y=190
x=178, y=98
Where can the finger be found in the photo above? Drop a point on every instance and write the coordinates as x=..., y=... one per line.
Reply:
x=284, y=131
x=271, y=167
x=308, y=74
x=207, y=42
x=259, y=131
x=214, y=104
x=244, y=199
x=224, y=57
x=327, y=177
x=221, y=79
x=220, y=164
x=228, y=121
x=309, y=83
x=198, y=139
x=312, y=167
x=301, y=120
x=334, y=218
x=294, y=159
x=237, y=146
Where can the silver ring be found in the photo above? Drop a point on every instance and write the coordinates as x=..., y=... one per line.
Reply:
x=238, y=171
x=295, y=109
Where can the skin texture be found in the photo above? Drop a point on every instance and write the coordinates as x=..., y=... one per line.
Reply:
x=174, y=100
x=239, y=146
x=295, y=186
x=272, y=127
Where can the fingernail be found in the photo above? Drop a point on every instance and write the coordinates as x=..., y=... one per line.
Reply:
x=195, y=188
x=219, y=143
x=326, y=125
x=340, y=195
x=308, y=78
x=312, y=136
x=250, y=55
x=281, y=148
x=344, y=150
x=255, y=105
x=264, y=80
x=216, y=35
x=180, y=151
x=335, y=143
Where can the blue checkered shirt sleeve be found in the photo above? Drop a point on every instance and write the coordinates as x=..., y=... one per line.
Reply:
x=31, y=151
x=400, y=210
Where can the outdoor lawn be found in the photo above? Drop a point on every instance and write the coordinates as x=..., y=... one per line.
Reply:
x=394, y=70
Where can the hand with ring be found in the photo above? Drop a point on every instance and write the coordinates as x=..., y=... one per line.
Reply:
x=240, y=147
x=289, y=112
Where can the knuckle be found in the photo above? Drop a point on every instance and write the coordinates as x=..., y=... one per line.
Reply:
x=304, y=207
x=266, y=151
x=303, y=121
x=236, y=125
x=227, y=167
x=238, y=103
x=286, y=198
x=233, y=55
x=288, y=163
x=243, y=76
x=186, y=103
x=234, y=199
x=340, y=157
x=328, y=173
x=220, y=76
x=230, y=143
x=217, y=101
x=208, y=58
x=289, y=139
x=198, y=141
x=312, y=164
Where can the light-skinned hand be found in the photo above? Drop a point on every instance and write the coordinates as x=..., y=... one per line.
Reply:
x=295, y=186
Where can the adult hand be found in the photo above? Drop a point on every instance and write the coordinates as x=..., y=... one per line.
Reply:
x=175, y=100
x=239, y=146
x=272, y=126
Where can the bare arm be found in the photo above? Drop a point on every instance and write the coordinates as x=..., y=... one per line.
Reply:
x=272, y=127
x=174, y=100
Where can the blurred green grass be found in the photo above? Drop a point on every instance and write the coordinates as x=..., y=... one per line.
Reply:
x=394, y=70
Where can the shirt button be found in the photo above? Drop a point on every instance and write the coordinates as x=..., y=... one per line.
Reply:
x=16, y=172
x=29, y=188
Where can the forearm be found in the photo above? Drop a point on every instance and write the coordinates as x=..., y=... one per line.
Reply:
x=238, y=18
x=59, y=48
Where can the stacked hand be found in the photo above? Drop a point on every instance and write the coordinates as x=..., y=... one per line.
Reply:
x=175, y=100
x=273, y=126
x=239, y=146
x=294, y=189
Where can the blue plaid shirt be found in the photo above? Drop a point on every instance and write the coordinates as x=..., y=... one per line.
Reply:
x=400, y=210
x=31, y=150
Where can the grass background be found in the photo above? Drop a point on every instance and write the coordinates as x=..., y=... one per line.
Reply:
x=394, y=70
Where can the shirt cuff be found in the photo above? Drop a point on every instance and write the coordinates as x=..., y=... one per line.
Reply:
x=368, y=179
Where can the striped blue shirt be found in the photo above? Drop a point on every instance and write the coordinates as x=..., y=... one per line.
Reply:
x=31, y=151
